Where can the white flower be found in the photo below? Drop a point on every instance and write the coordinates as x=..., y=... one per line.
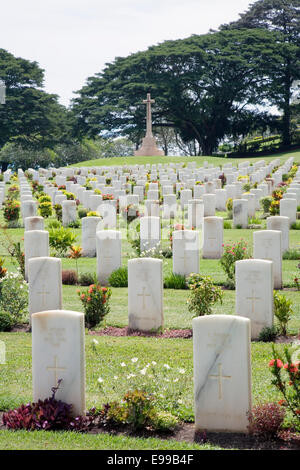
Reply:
x=116, y=377
x=181, y=371
x=153, y=363
x=123, y=364
x=134, y=359
x=180, y=401
x=175, y=380
x=143, y=371
x=166, y=366
x=161, y=396
x=95, y=341
x=100, y=380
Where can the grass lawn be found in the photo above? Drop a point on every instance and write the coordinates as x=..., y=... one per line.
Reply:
x=111, y=357
x=214, y=160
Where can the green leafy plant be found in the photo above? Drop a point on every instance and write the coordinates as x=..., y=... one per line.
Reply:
x=265, y=420
x=11, y=211
x=82, y=213
x=266, y=203
x=86, y=279
x=233, y=253
x=286, y=378
x=45, y=209
x=204, y=294
x=6, y=321
x=283, y=311
x=58, y=211
x=175, y=281
x=268, y=334
x=95, y=301
x=229, y=207
x=119, y=278
x=60, y=239
x=14, y=296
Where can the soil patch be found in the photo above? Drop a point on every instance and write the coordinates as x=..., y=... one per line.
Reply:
x=186, y=433
x=114, y=331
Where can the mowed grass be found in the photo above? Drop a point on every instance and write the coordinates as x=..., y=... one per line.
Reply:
x=199, y=160
x=104, y=359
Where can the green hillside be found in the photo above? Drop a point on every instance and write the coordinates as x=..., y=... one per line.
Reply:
x=214, y=160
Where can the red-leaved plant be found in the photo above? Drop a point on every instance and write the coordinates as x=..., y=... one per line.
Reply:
x=48, y=415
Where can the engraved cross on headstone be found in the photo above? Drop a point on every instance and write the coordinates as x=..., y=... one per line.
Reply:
x=55, y=369
x=144, y=295
x=220, y=377
x=43, y=293
x=253, y=299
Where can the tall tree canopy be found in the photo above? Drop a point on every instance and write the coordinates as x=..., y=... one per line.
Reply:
x=30, y=116
x=282, y=17
x=206, y=87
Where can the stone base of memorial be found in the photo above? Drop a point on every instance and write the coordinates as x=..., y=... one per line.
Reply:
x=149, y=148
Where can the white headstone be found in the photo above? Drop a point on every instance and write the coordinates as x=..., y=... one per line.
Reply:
x=108, y=246
x=254, y=293
x=212, y=237
x=186, y=254
x=36, y=244
x=149, y=232
x=282, y=224
x=45, y=284
x=267, y=245
x=145, y=294
x=222, y=373
x=88, y=230
x=58, y=354
x=34, y=223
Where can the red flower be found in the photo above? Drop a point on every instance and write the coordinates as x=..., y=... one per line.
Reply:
x=292, y=368
x=279, y=363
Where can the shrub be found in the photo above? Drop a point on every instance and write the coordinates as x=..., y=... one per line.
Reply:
x=227, y=224
x=286, y=378
x=54, y=224
x=17, y=253
x=3, y=270
x=69, y=277
x=291, y=254
x=295, y=225
x=93, y=214
x=44, y=198
x=247, y=187
x=274, y=208
x=47, y=415
x=6, y=322
x=14, y=295
x=268, y=334
x=204, y=294
x=58, y=211
x=283, y=311
x=13, y=192
x=229, y=207
x=233, y=253
x=45, y=209
x=60, y=239
x=70, y=196
x=11, y=211
x=86, y=279
x=119, y=278
x=266, y=420
x=163, y=421
x=82, y=213
x=175, y=281
x=266, y=203
x=75, y=224
x=95, y=303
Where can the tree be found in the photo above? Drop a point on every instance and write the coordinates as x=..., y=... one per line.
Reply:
x=282, y=17
x=30, y=116
x=203, y=86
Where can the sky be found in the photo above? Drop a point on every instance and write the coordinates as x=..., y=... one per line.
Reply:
x=73, y=39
